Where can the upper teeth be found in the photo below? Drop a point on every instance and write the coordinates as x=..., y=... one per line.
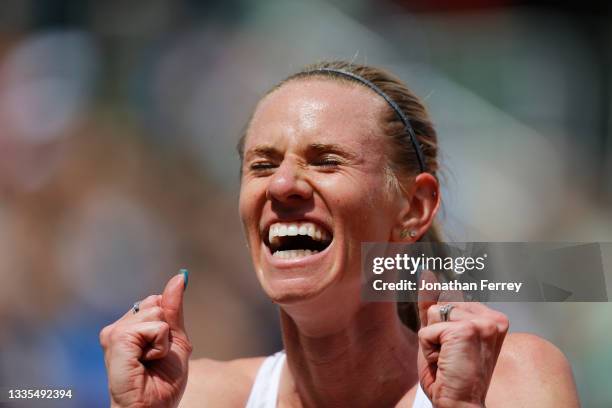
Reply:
x=281, y=229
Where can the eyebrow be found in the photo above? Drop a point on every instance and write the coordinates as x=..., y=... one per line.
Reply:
x=272, y=152
x=262, y=151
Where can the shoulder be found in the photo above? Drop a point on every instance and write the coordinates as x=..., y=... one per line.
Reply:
x=531, y=371
x=534, y=357
x=213, y=383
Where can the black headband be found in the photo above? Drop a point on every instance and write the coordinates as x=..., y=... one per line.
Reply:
x=391, y=102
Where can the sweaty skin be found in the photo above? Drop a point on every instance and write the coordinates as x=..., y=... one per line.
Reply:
x=331, y=338
x=315, y=152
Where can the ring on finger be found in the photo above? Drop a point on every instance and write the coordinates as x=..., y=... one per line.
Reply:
x=136, y=307
x=445, y=312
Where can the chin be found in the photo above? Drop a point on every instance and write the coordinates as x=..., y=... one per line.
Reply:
x=290, y=292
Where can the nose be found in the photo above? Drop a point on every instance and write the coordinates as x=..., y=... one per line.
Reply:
x=288, y=184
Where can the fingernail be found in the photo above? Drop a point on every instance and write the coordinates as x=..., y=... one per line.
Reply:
x=185, y=273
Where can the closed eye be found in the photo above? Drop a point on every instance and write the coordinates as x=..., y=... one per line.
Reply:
x=262, y=166
x=328, y=156
x=328, y=162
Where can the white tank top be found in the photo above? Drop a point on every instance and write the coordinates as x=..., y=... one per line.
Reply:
x=265, y=388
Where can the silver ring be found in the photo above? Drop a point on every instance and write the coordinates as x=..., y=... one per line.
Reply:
x=445, y=312
x=136, y=307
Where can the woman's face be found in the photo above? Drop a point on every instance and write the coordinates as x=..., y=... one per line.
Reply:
x=314, y=187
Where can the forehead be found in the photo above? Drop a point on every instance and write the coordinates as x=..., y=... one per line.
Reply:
x=327, y=110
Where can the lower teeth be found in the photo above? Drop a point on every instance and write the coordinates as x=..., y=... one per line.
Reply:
x=294, y=253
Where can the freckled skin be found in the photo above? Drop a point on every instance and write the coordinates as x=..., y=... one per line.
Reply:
x=291, y=118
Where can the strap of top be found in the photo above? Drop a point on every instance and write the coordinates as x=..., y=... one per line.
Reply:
x=420, y=399
x=264, y=393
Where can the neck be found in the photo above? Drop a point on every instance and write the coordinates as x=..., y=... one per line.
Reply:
x=374, y=353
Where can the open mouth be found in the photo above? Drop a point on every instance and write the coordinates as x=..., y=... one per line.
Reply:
x=296, y=240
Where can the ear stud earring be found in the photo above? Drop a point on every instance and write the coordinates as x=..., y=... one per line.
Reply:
x=405, y=233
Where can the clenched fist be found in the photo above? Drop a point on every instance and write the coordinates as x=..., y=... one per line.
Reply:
x=146, y=353
x=457, y=357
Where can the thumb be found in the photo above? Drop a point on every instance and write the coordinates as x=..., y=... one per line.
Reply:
x=427, y=297
x=172, y=301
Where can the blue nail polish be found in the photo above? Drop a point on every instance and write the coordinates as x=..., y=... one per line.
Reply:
x=185, y=273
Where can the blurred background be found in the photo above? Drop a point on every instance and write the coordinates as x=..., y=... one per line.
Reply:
x=118, y=122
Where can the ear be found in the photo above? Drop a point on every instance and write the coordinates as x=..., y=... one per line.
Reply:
x=419, y=208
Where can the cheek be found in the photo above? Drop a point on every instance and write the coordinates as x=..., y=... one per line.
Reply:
x=251, y=203
x=247, y=206
x=242, y=204
x=368, y=211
